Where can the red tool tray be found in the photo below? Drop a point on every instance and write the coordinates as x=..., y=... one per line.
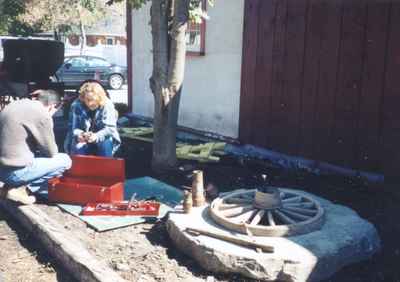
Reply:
x=91, y=179
x=140, y=208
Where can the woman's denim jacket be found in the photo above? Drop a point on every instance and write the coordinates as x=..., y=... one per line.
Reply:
x=105, y=121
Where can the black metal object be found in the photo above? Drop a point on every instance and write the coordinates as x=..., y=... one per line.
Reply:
x=31, y=62
x=28, y=60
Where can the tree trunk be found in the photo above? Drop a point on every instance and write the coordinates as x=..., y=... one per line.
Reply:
x=169, y=54
x=56, y=34
x=55, y=31
x=83, y=36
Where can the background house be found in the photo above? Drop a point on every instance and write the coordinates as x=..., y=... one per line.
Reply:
x=107, y=39
x=317, y=79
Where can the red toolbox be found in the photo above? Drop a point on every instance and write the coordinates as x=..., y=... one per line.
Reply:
x=138, y=208
x=91, y=179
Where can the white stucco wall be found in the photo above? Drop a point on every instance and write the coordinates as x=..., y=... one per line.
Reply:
x=211, y=90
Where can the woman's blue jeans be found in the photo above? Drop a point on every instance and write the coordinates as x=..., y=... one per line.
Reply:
x=104, y=148
x=36, y=175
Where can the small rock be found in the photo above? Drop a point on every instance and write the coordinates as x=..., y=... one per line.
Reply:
x=210, y=279
x=144, y=278
x=186, y=167
x=121, y=267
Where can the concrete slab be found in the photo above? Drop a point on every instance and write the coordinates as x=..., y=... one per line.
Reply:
x=344, y=238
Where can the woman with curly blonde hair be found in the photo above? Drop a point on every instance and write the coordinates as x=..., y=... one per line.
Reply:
x=92, y=123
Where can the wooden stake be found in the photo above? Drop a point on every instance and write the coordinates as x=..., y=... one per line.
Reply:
x=198, y=189
x=231, y=239
x=187, y=202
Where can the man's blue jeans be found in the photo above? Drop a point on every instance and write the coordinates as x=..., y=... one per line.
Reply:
x=103, y=149
x=36, y=175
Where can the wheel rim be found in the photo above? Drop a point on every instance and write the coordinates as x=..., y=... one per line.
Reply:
x=115, y=81
x=298, y=214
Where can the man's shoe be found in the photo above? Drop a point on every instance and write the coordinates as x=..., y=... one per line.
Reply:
x=20, y=195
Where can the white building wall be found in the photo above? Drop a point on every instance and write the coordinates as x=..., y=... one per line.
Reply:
x=211, y=89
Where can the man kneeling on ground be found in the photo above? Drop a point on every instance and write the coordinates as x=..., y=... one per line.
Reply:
x=28, y=150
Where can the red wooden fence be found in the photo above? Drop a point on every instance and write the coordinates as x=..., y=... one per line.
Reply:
x=321, y=79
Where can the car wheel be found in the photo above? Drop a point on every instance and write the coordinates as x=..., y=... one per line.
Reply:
x=115, y=81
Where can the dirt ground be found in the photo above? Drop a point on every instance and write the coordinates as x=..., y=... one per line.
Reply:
x=145, y=253
x=22, y=259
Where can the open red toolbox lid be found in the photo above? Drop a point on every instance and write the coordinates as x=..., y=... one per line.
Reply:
x=94, y=166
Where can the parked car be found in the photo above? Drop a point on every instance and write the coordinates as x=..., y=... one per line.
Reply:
x=77, y=69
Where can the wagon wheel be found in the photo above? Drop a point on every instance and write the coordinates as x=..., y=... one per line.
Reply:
x=296, y=214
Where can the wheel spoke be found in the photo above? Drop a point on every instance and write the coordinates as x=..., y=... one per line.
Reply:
x=301, y=210
x=294, y=215
x=271, y=220
x=296, y=199
x=236, y=211
x=300, y=205
x=284, y=218
x=224, y=206
x=238, y=201
x=257, y=218
x=243, y=217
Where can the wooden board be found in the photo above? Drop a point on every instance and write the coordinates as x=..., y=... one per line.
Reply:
x=391, y=100
x=369, y=147
x=137, y=133
x=349, y=83
x=249, y=61
x=276, y=135
x=208, y=152
x=263, y=73
x=294, y=60
x=68, y=251
x=328, y=70
x=309, y=94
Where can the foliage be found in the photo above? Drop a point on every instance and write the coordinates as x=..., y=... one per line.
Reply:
x=196, y=11
x=18, y=28
x=61, y=15
x=9, y=24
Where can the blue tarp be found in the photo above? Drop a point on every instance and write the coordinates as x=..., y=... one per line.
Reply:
x=144, y=187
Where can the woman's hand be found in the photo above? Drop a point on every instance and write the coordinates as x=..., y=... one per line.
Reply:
x=91, y=137
x=82, y=137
